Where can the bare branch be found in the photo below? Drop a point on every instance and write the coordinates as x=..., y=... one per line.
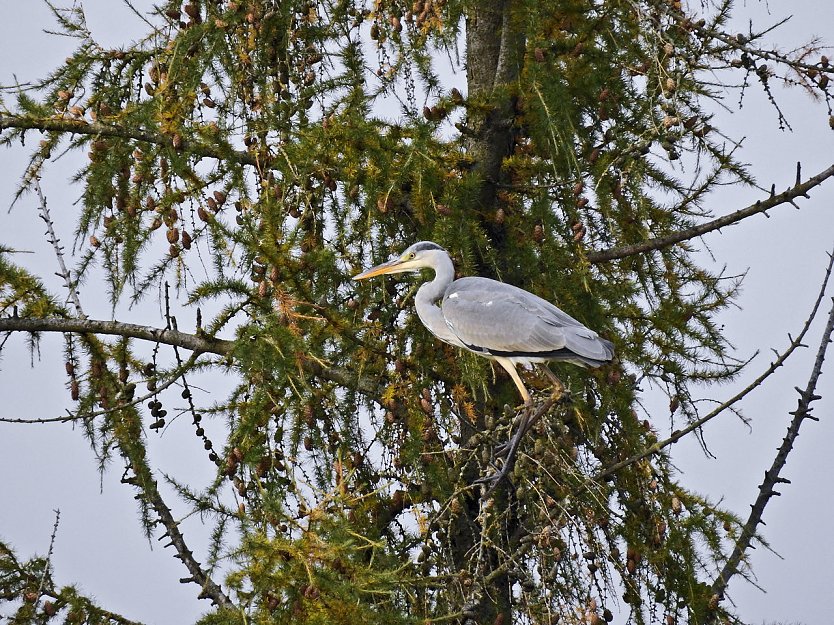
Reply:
x=152, y=495
x=83, y=127
x=786, y=197
x=65, y=419
x=771, y=477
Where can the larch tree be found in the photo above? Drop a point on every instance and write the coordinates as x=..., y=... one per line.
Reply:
x=247, y=157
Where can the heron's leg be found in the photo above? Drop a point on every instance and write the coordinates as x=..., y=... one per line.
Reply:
x=554, y=379
x=524, y=423
x=529, y=418
x=509, y=367
x=559, y=393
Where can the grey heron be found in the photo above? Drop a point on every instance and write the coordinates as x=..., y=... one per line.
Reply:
x=495, y=320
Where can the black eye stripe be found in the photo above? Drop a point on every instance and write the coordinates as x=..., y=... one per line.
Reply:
x=425, y=245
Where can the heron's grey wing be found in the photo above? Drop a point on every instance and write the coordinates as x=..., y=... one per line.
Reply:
x=503, y=320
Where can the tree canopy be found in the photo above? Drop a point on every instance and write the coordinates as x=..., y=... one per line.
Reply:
x=247, y=157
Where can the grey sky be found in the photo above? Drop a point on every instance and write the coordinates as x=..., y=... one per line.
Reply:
x=100, y=544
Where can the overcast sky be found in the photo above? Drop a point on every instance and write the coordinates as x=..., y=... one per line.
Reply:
x=100, y=544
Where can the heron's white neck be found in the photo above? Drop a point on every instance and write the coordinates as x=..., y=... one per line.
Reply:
x=444, y=273
x=429, y=293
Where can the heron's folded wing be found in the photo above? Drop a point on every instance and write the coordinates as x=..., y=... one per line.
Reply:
x=491, y=322
x=511, y=321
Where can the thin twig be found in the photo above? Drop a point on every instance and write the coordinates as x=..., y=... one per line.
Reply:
x=175, y=375
x=48, y=563
x=786, y=197
x=65, y=419
x=59, y=250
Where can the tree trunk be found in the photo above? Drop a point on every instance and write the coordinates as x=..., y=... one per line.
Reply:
x=495, y=51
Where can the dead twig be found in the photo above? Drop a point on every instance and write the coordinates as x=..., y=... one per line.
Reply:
x=786, y=197
x=767, y=489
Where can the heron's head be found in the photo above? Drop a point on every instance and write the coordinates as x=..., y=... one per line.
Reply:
x=419, y=256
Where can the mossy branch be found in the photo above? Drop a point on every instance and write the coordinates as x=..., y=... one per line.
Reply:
x=203, y=344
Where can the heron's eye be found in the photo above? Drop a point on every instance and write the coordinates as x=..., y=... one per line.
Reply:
x=412, y=255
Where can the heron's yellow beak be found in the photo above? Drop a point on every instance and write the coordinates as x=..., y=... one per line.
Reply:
x=397, y=265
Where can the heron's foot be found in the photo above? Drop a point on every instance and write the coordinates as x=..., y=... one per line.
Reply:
x=494, y=479
x=524, y=413
x=528, y=417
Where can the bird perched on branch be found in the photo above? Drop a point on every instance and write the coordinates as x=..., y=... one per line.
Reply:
x=495, y=320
